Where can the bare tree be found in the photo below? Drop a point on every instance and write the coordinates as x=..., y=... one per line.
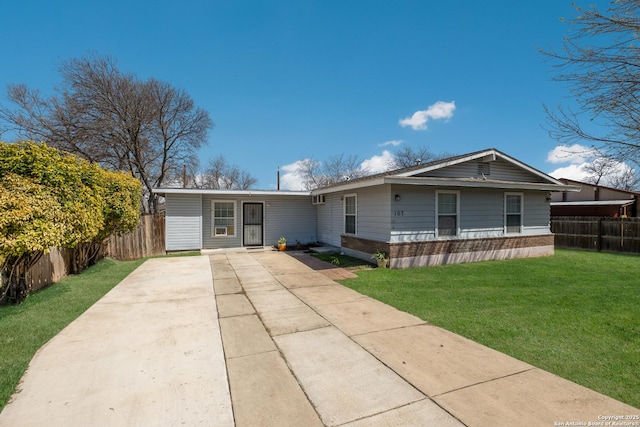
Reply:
x=220, y=175
x=626, y=179
x=212, y=176
x=341, y=168
x=310, y=171
x=407, y=156
x=148, y=128
x=600, y=63
x=600, y=167
x=245, y=180
x=606, y=170
x=336, y=169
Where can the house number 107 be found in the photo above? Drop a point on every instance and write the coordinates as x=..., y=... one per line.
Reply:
x=398, y=213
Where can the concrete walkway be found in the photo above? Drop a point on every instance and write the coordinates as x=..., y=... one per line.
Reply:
x=280, y=344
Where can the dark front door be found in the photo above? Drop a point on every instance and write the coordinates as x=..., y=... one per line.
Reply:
x=252, y=224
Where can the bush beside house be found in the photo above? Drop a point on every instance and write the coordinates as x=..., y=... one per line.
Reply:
x=49, y=198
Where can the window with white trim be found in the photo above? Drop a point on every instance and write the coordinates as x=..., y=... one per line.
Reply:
x=223, y=222
x=350, y=214
x=447, y=213
x=513, y=213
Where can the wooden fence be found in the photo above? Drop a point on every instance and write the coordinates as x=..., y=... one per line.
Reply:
x=146, y=240
x=597, y=233
x=50, y=268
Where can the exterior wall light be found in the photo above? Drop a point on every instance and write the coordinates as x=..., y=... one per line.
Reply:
x=397, y=197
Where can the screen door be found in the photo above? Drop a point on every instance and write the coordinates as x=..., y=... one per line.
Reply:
x=252, y=224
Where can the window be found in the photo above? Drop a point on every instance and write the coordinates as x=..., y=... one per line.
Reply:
x=224, y=218
x=447, y=214
x=513, y=212
x=350, y=214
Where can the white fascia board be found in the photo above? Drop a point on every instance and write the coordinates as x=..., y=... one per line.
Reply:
x=492, y=153
x=532, y=170
x=249, y=193
x=452, y=182
x=450, y=163
x=347, y=186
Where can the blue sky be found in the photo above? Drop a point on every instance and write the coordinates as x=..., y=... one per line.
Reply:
x=288, y=80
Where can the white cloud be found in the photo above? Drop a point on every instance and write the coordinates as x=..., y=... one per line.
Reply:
x=580, y=173
x=377, y=164
x=574, y=172
x=289, y=179
x=574, y=154
x=439, y=110
x=394, y=143
x=580, y=159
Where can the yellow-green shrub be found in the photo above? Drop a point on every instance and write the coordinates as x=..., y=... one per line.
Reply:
x=51, y=198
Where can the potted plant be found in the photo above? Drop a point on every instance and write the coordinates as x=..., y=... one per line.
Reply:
x=381, y=258
x=282, y=244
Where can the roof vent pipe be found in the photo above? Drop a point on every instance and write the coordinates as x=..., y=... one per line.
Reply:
x=184, y=175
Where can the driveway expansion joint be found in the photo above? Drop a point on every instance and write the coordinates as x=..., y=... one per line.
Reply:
x=321, y=355
x=483, y=382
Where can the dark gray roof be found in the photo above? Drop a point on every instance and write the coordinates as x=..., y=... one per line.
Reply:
x=406, y=172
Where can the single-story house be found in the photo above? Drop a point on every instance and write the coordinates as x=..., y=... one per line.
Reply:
x=211, y=219
x=478, y=206
x=594, y=200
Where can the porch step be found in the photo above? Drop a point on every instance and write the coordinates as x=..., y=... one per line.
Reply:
x=240, y=249
x=325, y=249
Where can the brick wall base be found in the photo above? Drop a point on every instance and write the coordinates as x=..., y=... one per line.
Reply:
x=437, y=252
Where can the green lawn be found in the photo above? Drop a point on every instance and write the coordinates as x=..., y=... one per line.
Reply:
x=26, y=327
x=576, y=314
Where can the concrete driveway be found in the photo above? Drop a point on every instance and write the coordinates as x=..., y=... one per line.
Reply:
x=258, y=338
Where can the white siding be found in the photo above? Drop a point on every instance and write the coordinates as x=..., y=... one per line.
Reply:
x=373, y=213
x=537, y=213
x=183, y=222
x=413, y=217
x=330, y=221
x=500, y=169
x=481, y=213
x=293, y=217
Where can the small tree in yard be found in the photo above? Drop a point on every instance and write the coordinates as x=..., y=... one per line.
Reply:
x=49, y=198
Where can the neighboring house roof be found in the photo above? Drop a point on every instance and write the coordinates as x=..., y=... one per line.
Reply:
x=595, y=203
x=631, y=194
x=419, y=175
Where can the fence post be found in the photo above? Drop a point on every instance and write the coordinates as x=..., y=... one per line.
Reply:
x=599, y=240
